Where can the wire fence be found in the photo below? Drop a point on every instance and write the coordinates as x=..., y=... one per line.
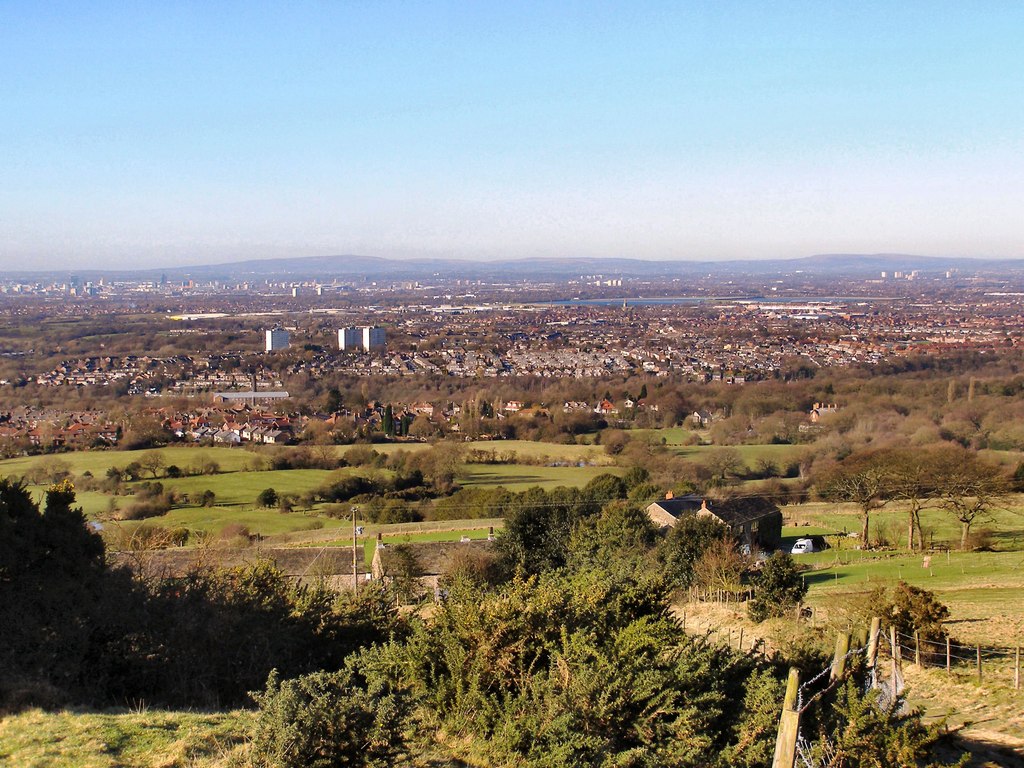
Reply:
x=884, y=656
x=794, y=747
x=996, y=665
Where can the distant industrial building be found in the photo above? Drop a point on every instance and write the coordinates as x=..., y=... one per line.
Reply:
x=365, y=338
x=277, y=338
x=251, y=395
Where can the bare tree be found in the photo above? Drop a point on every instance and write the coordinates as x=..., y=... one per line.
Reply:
x=865, y=480
x=720, y=567
x=915, y=479
x=152, y=461
x=725, y=461
x=970, y=490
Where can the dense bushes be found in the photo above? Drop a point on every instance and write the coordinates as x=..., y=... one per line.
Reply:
x=68, y=624
x=587, y=669
x=328, y=719
x=51, y=579
x=578, y=664
x=778, y=588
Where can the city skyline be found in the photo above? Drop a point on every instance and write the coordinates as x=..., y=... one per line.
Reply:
x=162, y=136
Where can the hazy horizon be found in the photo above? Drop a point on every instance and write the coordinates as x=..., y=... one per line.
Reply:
x=161, y=136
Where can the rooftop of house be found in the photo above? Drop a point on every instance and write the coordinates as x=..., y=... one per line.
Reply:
x=729, y=511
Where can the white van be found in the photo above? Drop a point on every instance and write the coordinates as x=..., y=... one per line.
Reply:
x=802, y=547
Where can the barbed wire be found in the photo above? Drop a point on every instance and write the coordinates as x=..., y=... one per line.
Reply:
x=991, y=652
x=800, y=705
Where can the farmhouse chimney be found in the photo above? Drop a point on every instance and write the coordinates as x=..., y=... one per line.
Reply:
x=669, y=496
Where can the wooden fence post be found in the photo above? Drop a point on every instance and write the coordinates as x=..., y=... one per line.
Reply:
x=789, y=724
x=895, y=646
x=876, y=628
x=948, y=655
x=739, y=644
x=1016, y=669
x=917, y=647
x=839, y=660
x=979, y=663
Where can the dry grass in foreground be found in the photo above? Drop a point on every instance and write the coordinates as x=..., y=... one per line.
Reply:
x=145, y=739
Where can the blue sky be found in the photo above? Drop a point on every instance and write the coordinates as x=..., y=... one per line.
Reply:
x=170, y=133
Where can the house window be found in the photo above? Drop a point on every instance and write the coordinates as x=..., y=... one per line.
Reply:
x=753, y=527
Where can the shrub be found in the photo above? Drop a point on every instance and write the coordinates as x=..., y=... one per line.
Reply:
x=362, y=456
x=347, y=488
x=778, y=588
x=635, y=476
x=234, y=531
x=142, y=510
x=148, y=490
x=911, y=609
x=396, y=512
x=685, y=544
x=327, y=719
x=178, y=537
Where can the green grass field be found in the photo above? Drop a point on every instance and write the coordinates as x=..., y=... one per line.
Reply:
x=517, y=477
x=37, y=739
x=751, y=454
x=242, y=488
x=981, y=589
x=369, y=539
x=1006, y=524
x=672, y=436
x=523, y=449
x=236, y=487
x=98, y=462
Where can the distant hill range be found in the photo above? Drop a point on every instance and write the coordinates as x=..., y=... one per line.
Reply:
x=376, y=268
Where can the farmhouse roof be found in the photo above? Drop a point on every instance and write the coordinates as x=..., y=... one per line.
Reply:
x=735, y=512
x=679, y=505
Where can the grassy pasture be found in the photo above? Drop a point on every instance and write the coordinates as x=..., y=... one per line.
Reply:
x=236, y=487
x=673, y=436
x=981, y=589
x=368, y=541
x=517, y=477
x=524, y=449
x=37, y=739
x=750, y=454
x=98, y=462
x=256, y=519
x=242, y=488
x=1006, y=523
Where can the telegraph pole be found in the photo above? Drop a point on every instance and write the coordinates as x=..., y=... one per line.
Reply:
x=355, y=551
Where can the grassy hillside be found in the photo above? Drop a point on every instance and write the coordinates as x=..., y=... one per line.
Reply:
x=157, y=739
